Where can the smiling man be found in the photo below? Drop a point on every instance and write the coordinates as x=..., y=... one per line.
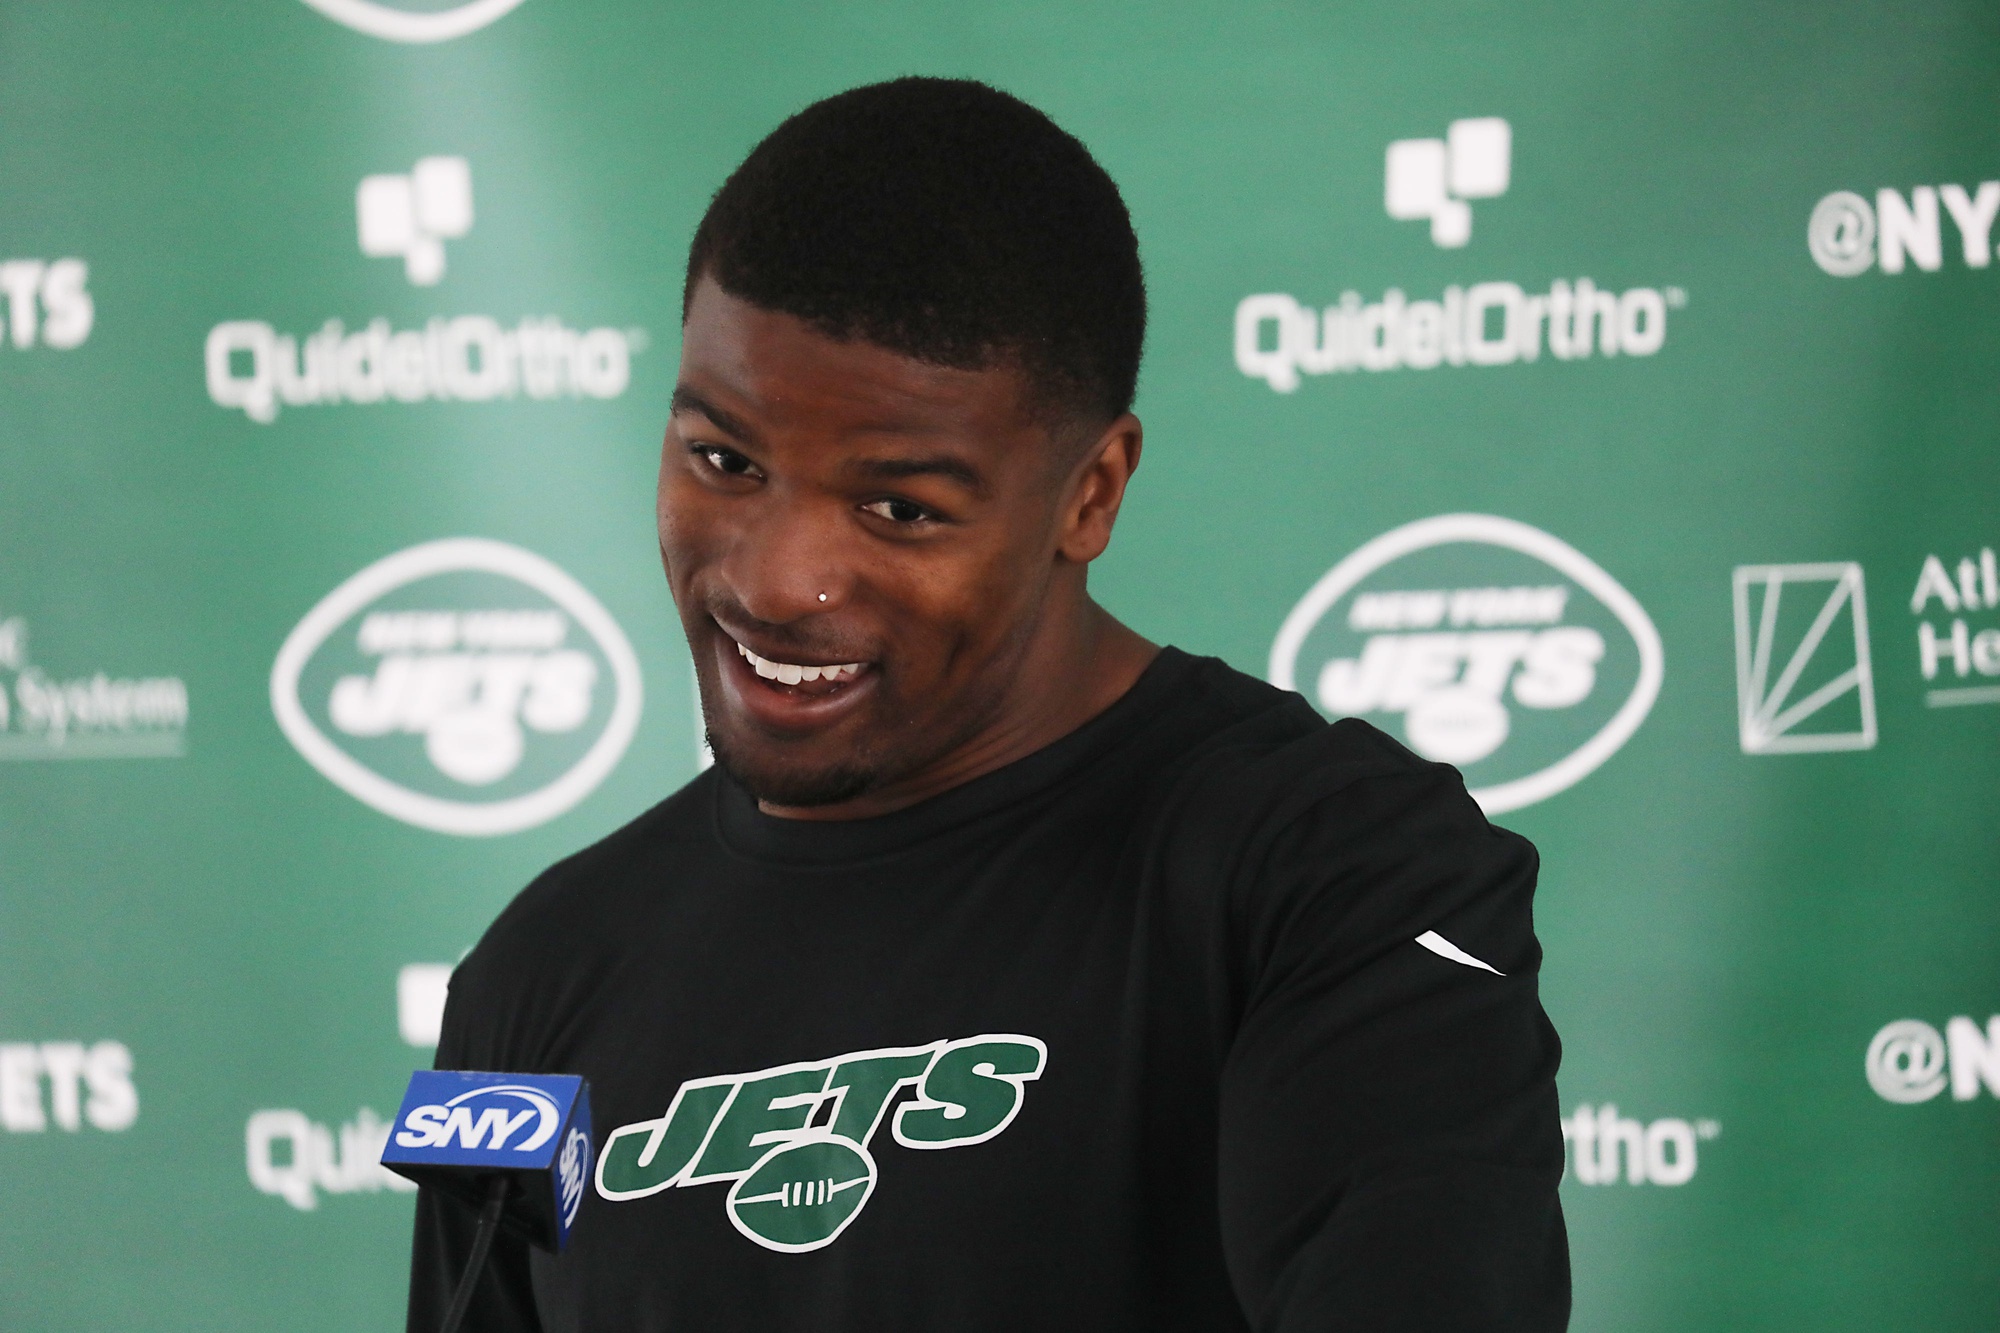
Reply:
x=1007, y=971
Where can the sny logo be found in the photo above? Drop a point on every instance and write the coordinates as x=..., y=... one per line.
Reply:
x=436, y=1126
x=794, y=1138
x=456, y=1127
x=572, y=1168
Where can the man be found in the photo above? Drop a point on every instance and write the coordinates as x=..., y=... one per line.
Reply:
x=1007, y=971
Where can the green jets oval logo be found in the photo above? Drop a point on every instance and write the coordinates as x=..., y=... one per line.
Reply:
x=465, y=686
x=1484, y=643
x=802, y=1195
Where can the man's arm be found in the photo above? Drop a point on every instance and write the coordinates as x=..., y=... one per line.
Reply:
x=1389, y=1143
x=504, y=1301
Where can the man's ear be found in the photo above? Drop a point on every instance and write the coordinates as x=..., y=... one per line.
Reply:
x=1096, y=489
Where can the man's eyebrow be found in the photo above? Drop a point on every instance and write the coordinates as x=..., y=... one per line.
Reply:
x=687, y=400
x=934, y=465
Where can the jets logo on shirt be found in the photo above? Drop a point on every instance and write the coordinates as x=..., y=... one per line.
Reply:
x=793, y=1139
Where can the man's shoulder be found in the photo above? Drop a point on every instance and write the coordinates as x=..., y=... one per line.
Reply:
x=586, y=895
x=1260, y=752
x=1277, y=792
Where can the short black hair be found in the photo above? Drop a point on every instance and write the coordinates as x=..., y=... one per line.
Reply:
x=945, y=220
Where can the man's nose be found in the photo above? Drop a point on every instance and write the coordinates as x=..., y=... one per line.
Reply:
x=790, y=561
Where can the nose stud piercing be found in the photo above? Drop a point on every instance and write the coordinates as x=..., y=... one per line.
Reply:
x=822, y=597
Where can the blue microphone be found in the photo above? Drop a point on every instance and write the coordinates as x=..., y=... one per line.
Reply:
x=516, y=1146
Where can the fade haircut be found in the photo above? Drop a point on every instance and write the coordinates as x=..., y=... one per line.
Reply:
x=944, y=220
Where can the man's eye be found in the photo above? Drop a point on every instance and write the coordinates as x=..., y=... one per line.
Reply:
x=898, y=511
x=726, y=461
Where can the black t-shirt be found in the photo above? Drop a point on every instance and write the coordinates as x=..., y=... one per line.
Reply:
x=1209, y=1016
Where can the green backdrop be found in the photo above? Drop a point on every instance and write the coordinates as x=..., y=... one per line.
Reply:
x=1598, y=397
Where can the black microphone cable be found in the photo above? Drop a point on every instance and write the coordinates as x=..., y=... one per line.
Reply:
x=482, y=1245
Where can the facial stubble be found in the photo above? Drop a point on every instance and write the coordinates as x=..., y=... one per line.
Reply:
x=788, y=784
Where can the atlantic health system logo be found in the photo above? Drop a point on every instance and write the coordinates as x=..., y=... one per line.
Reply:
x=87, y=715
x=1958, y=656
x=465, y=686
x=1805, y=674
x=1804, y=680
x=1485, y=643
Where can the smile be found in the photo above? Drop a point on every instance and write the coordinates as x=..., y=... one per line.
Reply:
x=792, y=673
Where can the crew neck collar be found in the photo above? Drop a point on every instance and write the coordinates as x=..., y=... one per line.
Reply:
x=751, y=833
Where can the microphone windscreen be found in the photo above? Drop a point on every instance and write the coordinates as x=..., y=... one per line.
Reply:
x=458, y=1129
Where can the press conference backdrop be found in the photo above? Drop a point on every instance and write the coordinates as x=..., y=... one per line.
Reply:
x=1599, y=399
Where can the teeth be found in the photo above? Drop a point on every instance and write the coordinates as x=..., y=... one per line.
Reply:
x=791, y=673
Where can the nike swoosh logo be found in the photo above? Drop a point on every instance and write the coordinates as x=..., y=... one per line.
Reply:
x=1444, y=948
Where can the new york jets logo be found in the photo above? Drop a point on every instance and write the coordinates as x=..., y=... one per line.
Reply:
x=794, y=1138
x=465, y=685
x=1487, y=644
